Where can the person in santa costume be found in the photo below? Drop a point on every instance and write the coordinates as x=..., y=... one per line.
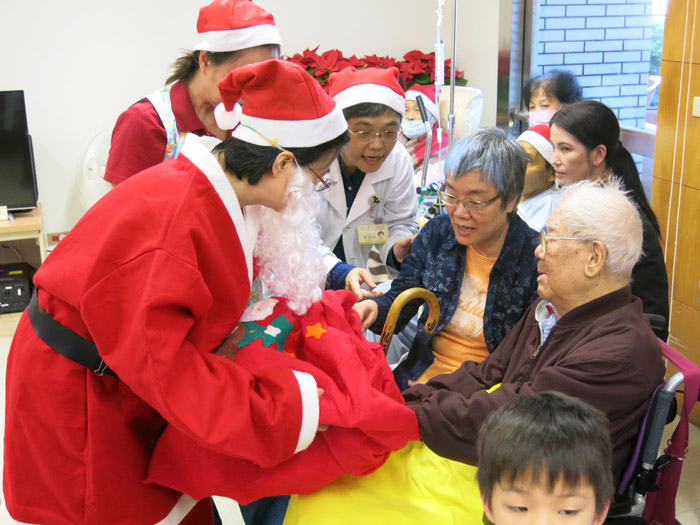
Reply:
x=117, y=342
x=361, y=405
x=540, y=195
x=373, y=176
x=230, y=34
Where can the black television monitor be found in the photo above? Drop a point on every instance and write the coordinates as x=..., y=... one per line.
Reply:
x=18, y=189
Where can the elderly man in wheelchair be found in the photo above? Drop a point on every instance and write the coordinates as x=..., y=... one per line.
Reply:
x=587, y=337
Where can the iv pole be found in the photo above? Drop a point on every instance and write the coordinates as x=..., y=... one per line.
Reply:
x=453, y=69
x=440, y=72
x=439, y=82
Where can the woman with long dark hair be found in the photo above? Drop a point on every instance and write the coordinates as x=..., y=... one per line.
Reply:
x=586, y=139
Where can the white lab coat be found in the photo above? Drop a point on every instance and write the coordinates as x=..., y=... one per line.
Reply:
x=393, y=182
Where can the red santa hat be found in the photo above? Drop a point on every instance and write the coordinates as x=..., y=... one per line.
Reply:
x=284, y=106
x=538, y=137
x=378, y=85
x=231, y=25
x=427, y=92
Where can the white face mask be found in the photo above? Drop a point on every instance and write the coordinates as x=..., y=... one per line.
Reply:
x=413, y=128
x=540, y=116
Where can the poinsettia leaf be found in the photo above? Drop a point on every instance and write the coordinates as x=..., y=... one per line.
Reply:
x=342, y=64
x=356, y=62
x=332, y=55
x=417, y=55
x=406, y=76
x=372, y=60
x=422, y=78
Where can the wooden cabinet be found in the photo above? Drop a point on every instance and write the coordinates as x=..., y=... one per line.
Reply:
x=26, y=235
x=681, y=21
x=26, y=241
x=676, y=184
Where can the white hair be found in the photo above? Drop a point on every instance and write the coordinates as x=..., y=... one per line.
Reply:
x=289, y=248
x=603, y=211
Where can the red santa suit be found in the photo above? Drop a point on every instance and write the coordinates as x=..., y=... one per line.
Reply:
x=156, y=274
x=362, y=405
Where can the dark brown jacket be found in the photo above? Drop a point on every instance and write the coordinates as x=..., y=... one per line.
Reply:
x=602, y=352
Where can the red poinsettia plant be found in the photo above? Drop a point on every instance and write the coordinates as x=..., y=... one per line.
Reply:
x=415, y=68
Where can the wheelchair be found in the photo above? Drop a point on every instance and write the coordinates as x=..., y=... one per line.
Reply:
x=645, y=494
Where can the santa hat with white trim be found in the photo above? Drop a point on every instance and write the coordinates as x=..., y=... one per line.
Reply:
x=538, y=137
x=427, y=93
x=375, y=85
x=284, y=106
x=232, y=25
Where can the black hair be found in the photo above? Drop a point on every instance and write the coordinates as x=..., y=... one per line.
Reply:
x=251, y=161
x=369, y=109
x=556, y=83
x=185, y=66
x=548, y=437
x=593, y=123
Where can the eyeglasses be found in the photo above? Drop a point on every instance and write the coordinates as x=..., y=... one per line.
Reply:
x=322, y=183
x=544, y=239
x=450, y=200
x=365, y=137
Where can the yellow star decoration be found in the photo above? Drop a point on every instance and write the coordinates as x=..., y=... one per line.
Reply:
x=315, y=331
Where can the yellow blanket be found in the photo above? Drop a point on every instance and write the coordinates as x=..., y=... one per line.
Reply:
x=413, y=486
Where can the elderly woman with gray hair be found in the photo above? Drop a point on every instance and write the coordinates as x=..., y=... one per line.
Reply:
x=478, y=260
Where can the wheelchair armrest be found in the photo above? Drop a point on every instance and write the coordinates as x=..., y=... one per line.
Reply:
x=657, y=322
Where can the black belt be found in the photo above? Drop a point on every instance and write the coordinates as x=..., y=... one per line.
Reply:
x=64, y=340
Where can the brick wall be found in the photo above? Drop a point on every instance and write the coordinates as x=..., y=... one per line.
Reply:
x=606, y=44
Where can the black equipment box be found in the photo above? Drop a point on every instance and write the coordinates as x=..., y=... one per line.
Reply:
x=16, y=286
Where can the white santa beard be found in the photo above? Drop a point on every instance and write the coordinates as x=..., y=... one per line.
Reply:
x=289, y=247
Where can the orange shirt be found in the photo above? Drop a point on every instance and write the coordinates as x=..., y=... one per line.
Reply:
x=463, y=337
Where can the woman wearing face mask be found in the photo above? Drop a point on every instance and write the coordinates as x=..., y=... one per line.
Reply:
x=586, y=140
x=415, y=136
x=544, y=95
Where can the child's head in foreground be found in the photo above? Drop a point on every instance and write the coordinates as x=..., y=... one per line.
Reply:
x=545, y=458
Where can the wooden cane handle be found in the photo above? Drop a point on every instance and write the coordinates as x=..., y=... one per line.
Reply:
x=404, y=298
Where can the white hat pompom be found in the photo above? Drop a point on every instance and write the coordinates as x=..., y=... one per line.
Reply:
x=228, y=119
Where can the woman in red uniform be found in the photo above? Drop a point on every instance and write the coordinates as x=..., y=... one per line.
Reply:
x=230, y=34
x=150, y=281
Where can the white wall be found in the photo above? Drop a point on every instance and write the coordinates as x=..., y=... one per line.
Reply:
x=82, y=62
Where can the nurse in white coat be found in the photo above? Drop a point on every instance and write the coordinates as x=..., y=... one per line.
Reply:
x=373, y=201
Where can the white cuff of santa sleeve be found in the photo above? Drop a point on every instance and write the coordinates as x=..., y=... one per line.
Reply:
x=309, y=409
